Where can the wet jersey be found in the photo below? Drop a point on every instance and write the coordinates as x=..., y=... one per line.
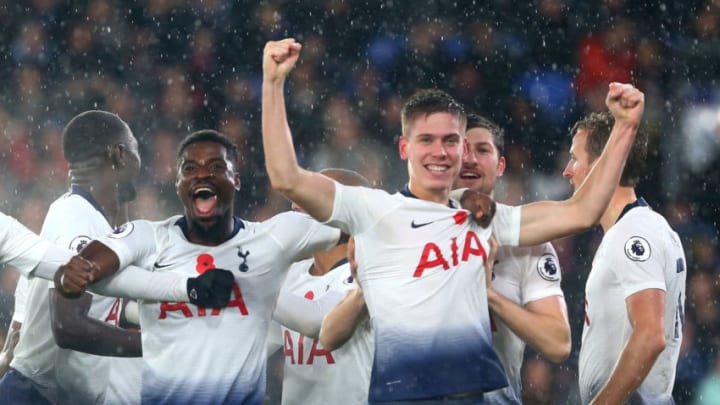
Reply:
x=523, y=275
x=311, y=374
x=422, y=271
x=65, y=375
x=198, y=355
x=639, y=252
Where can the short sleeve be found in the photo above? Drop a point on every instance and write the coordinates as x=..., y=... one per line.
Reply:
x=20, y=248
x=299, y=235
x=132, y=242
x=542, y=276
x=636, y=258
x=506, y=225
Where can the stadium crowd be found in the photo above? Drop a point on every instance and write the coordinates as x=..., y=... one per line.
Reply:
x=169, y=67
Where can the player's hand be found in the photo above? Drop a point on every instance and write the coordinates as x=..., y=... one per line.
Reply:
x=279, y=57
x=480, y=205
x=490, y=263
x=351, y=260
x=626, y=103
x=211, y=289
x=71, y=279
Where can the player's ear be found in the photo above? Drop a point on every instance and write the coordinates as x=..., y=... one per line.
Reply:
x=402, y=147
x=117, y=155
x=501, y=166
x=236, y=181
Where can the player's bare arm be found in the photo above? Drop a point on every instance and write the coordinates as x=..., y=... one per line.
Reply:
x=340, y=323
x=312, y=191
x=646, y=313
x=8, y=350
x=548, y=220
x=73, y=329
x=543, y=324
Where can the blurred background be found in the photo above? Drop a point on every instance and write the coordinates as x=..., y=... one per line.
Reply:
x=169, y=67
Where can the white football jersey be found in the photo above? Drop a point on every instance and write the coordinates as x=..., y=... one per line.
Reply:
x=21, y=291
x=125, y=378
x=639, y=252
x=204, y=355
x=311, y=374
x=19, y=247
x=66, y=375
x=422, y=271
x=523, y=275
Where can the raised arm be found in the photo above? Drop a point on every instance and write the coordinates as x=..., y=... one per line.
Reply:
x=312, y=191
x=547, y=220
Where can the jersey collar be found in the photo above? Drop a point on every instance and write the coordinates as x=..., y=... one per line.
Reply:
x=407, y=193
x=87, y=195
x=640, y=202
x=237, y=226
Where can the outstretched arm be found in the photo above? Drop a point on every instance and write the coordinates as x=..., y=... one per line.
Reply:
x=547, y=220
x=210, y=289
x=313, y=191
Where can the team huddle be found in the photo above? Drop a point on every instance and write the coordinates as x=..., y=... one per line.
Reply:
x=427, y=295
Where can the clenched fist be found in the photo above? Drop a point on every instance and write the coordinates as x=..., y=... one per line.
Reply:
x=279, y=57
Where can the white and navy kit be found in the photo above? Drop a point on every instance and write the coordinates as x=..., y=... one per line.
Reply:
x=63, y=375
x=26, y=252
x=639, y=252
x=21, y=291
x=198, y=355
x=422, y=271
x=311, y=374
x=523, y=275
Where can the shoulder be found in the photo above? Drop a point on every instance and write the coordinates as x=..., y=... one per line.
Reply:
x=638, y=233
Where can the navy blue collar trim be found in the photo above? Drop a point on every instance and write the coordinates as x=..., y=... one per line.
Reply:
x=87, y=195
x=237, y=226
x=640, y=202
x=407, y=193
x=339, y=263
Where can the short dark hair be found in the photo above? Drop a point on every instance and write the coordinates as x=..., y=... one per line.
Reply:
x=346, y=177
x=430, y=101
x=598, y=127
x=209, y=135
x=498, y=134
x=89, y=134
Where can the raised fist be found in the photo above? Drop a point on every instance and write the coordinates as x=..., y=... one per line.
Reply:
x=626, y=103
x=211, y=289
x=279, y=57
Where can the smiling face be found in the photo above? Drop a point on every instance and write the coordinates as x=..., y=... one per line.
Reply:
x=206, y=184
x=482, y=164
x=433, y=147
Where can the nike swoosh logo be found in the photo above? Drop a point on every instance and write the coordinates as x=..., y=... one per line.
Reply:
x=162, y=266
x=415, y=226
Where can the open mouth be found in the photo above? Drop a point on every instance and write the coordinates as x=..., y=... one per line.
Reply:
x=204, y=201
x=469, y=176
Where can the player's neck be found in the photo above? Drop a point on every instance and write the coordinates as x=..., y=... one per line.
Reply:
x=323, y=262
x=211, y=235
x=105, y=194
x=438, y=196
x=622, y=197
